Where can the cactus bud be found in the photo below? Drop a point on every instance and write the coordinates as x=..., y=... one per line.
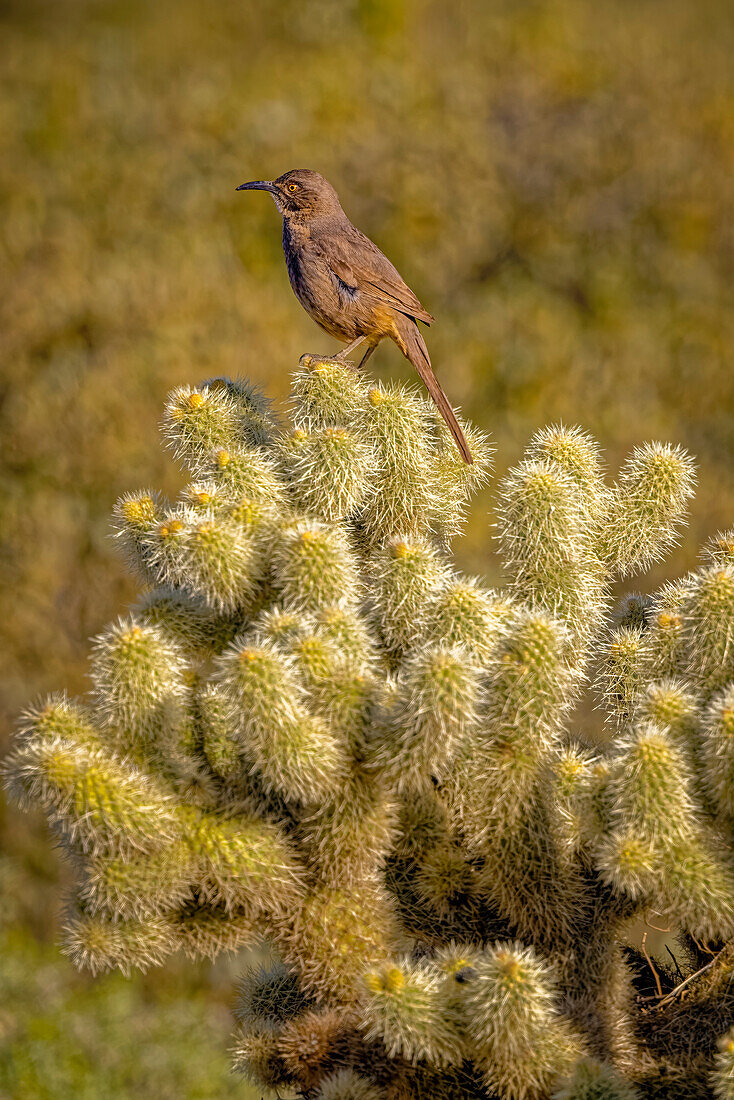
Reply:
x=574, y=790
x=540, y=519
x=257, y=425
x=708, y=611
x=403, y=1007
x=101, y=803
x=247, y=863
x=134, y=517
x=309, y=1044
x=293, y=751
x=196, y=421
x=146, y=886
x=464, y=614
x=670, y=706
x=530, y=675
x=97, y=943
x=544, y=533
x=218, y=723
x=345, y=1084
x=405, y=576
x=406, y=502
x=137, y=671
x=256, y=1055
x=665, y=632
x=327, y=394
x=348, y=632
x=575, y=453
x=242, y=475
x=522, y=1041
x=435, y=707
x=314, y=567
x=717, y=752
x=261, y=684
x=629, y=863
x=719, y=550
x=621, y=673
x=646, y=508
x=651, y=789
x=592, y=1080
x=58, y=718
x=269, y=998
x=328, y=472
x=219, y=564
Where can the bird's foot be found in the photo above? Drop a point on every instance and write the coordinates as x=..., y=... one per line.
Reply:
x=313, y=362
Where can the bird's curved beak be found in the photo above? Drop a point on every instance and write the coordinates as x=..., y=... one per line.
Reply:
x=258, y=185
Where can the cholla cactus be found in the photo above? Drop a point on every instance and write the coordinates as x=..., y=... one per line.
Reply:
x=312, y=731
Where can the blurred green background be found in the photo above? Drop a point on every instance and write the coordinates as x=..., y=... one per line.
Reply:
x=553, y=178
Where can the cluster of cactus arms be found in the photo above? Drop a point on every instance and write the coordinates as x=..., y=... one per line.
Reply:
x=311, y=731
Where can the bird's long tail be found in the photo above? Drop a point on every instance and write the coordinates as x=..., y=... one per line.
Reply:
x=416, y=351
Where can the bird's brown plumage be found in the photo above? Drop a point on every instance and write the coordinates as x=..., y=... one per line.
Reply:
x=346, y=284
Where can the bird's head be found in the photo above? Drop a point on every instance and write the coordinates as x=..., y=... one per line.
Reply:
x=300, y=194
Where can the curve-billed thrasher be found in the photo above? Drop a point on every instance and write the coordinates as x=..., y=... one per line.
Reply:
x=345, y=283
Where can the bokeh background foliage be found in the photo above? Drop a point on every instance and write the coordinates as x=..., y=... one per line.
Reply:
x=554, y=179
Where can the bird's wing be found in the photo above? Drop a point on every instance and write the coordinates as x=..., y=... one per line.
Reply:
x=357, y=262
x=344, y=274
x=394, y=292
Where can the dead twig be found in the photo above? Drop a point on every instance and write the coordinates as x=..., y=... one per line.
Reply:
x=674, y=992
x=655, y=974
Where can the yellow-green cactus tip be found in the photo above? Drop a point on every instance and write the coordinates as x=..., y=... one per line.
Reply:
x=139, y=510
x=511, y=968
x=373, y=982
x=394, y=979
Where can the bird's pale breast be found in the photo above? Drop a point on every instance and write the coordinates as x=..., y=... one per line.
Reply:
x=338, y=308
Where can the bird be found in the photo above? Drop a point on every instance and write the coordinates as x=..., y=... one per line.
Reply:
x=346, y=284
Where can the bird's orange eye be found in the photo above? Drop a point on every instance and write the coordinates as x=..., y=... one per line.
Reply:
x=292, y=186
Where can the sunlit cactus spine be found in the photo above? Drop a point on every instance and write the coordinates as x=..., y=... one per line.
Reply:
x=311, y=731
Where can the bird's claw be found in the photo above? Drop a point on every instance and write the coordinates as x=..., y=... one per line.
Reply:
x=313, y=362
